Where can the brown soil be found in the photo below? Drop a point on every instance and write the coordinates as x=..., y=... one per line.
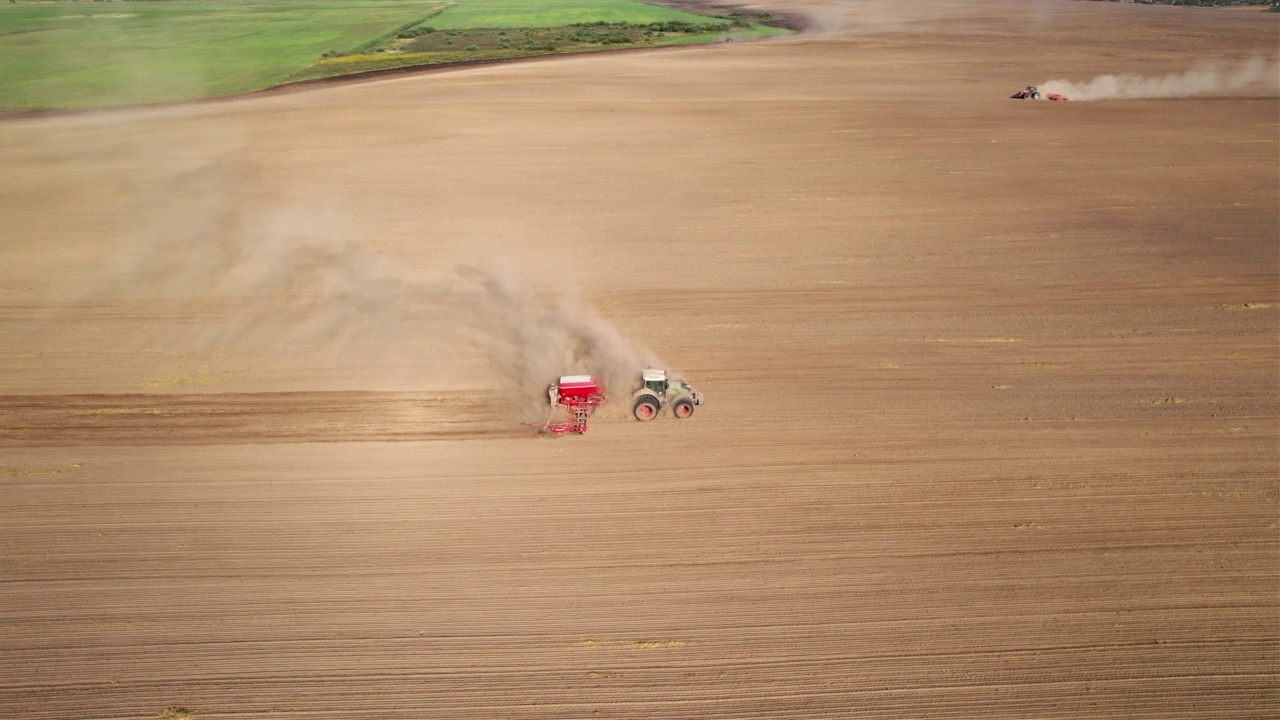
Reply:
x=991, y=423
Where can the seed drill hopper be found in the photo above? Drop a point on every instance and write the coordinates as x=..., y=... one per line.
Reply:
x=578, y=395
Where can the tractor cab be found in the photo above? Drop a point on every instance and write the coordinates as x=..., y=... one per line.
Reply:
x=656, y=380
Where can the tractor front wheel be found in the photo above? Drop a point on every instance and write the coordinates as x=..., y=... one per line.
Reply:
x=683, y=408
x=646, y=408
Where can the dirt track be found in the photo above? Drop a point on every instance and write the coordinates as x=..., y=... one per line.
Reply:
x=992, y=394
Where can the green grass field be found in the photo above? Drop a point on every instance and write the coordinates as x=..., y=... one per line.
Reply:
x=76, y=54
x=67, y=54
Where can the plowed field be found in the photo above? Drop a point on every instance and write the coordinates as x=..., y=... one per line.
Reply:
x=993, y=414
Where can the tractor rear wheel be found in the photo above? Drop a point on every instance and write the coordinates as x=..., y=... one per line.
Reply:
x=646, y=408
x=683, y=408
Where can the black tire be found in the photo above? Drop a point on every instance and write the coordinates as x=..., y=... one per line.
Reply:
x=1035, y=96
x=683, y=408
x=646, y=408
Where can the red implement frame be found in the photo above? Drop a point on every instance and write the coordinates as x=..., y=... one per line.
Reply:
x=579, y=395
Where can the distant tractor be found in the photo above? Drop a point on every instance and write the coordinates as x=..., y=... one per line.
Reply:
x=657, y=392
x=579, y=395
x=1033, y=93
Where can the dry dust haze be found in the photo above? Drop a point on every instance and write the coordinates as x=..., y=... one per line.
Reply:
x=1209, y=77
x=304, y=278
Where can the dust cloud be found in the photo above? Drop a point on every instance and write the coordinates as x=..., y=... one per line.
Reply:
x=304, y=280
x=1209, y=77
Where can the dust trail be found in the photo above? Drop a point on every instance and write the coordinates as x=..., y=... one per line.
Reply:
x=1209, y=77
x=304, y=280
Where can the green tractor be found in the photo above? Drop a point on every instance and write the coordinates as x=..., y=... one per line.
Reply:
x=657, y=392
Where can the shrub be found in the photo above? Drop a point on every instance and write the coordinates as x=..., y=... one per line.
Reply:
x=416, y=32
x=472, y=48
x=678, y=26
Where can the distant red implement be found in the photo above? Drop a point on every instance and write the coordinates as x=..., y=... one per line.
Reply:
x=579, y=395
